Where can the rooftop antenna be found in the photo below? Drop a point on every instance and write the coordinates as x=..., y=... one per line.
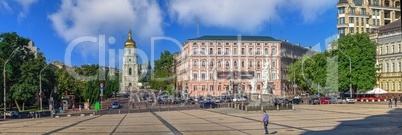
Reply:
x=198, y=26
x=270, y=23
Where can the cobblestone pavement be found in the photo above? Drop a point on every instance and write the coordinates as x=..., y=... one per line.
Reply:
x=305, y=119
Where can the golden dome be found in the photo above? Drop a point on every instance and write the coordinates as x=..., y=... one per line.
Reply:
x=130, y=42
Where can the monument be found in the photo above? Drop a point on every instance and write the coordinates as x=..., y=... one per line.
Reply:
x=266, y=98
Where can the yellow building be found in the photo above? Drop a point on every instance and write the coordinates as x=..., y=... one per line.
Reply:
x=389, y=57
x=362, y=16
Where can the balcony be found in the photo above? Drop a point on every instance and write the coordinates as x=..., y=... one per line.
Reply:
x=342, y=25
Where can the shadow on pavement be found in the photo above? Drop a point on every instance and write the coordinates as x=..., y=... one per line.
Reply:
x=390, y=123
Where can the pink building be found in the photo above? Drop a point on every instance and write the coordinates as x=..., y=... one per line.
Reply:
x=224, y=65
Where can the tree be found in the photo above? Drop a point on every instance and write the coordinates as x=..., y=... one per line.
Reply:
x=163, y=74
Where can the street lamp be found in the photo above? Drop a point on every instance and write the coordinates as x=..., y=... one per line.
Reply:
x=40, y=86
x=4, y=77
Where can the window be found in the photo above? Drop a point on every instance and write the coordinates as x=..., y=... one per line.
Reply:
x=226, y=51
x=129, y=51
x=378, y=22
x=203, y=77
x=273, y=51
x=250, y=63
x=341, y=20
x=362, y=22
x=211, y=87
x=211, y=63
x=235, y=51
x=202, y=43
x=242, y=64
x=364, y=11
x=341, y=10
x=258, y=87
x=351, y=20
x=266, y=51
x=351, y=30
x=352, y=10
x=203, y=88
x=357, y=30
x=258, y=75
x=400, y=66
x=195, y=51
x=393, y=85
x=211, y=75
x=227, y=64
x=380, y=50
x=129, y=59
x=393, y=67
x=219, y=64
x=274, y=75
x=273, y=63
x=399, y=47
x=211, y=50
x=386, y=50
x=219, y=87
x=358, y=2
x=242, y=51
x=258, y=64
x=250, y=51
x=367, y=21
x=203, y=63
x=235, y=63
x=258, y=51
x=195, y=63
x=219, y=51
x=357, y=21
x=203, y=50
x=195, y=76
x=387, y=86
x=195, y=87
x=387, y=68
x=393, y=47
x=129, y=71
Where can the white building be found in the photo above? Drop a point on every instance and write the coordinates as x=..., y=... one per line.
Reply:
x=129, y=72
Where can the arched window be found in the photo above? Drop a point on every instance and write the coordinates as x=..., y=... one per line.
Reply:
x=242, y=63
x=235, y=63
x=195, y=63
x=219, y=64
x=273, y=63
x=250, y=63
x=227, y=63
x=211, y=63
x=258, y=63
x=129, y=84
x=129, y=71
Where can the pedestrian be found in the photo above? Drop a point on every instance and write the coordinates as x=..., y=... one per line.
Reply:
x=79, y=107
x=395, y=100
x=390, y=103
x=60, y=110
x=73, y=107
x=265, y=120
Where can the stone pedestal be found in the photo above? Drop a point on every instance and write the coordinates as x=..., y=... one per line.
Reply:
x=255, y=100
x=268, y=99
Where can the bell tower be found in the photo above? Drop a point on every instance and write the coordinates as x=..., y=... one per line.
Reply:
x=130, y=66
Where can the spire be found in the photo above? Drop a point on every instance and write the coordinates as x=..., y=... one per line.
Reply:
x=130, y=43
x=130, y=34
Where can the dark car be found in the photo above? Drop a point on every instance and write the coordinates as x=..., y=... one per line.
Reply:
x=313, y=101
x=281, y=101
x=296, y=101
x=208, y=105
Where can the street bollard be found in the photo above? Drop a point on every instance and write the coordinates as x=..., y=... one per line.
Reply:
x=119, y=111
x=277, y=107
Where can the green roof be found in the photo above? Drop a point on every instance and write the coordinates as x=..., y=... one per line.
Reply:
x=235, y=38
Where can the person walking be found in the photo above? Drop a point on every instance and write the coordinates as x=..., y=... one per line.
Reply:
x=265, y=120
x=395, y=100
x=390, y=103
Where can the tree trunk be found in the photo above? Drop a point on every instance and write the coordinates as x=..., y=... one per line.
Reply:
x=18, y=106
x=23, y=106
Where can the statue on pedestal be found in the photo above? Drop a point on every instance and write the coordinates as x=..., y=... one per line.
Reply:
x=266, y=71
x=253, y=83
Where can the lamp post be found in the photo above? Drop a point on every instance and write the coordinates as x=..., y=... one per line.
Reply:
x=4, y=82
x=40, y=86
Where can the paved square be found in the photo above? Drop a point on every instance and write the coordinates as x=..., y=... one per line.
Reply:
x=366, y=118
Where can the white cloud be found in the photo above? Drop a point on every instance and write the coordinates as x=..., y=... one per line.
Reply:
x=76, y=18
x=243, y=15
x=311, y=9
x=26, y=4
x=4, y=5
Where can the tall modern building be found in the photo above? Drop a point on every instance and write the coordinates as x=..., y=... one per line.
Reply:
x=129, y=69
x=365, y=16
x=389, y=57
x=224, y=65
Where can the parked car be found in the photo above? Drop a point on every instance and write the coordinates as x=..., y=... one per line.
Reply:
x=296, y=101
x=209, y=105
x=218, y=100
x=313, y=101
x=350, y=100
x=226, y=99
x=324, y=100
x=280, y=101
x=115, y=105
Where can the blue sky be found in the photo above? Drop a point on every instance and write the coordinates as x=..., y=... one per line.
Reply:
x=54, y=24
